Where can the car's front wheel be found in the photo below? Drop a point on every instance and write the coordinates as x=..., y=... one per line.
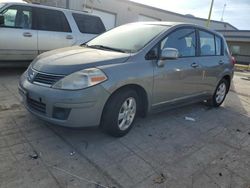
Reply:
x=120, y=113
x=220, y=93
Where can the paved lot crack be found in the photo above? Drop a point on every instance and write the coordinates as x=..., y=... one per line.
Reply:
x=104, y=173
x=43, y=162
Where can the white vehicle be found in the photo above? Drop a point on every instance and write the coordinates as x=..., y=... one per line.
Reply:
x=27, y=30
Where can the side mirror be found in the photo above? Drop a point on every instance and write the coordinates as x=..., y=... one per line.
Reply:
x=1, y=19
x=167, y=53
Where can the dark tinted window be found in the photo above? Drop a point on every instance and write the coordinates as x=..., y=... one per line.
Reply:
x=218, y=45
x=207, y=43
x=89, y=24
x=51, y=20
x=183, y=40
x=18, y=17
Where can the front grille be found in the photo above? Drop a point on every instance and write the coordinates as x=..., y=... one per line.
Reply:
x=36, y=105
x=46, y=79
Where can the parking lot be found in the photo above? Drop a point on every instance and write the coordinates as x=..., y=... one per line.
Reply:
x=163, y=150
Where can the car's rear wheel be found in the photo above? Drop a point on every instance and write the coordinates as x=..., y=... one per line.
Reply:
x=219, y=94
x=120, y=113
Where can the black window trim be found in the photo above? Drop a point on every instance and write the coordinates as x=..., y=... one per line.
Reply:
x=221, y=43
x=214, y=36
x=179, y=28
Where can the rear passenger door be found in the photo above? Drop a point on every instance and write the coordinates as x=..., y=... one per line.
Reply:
x=211, y=58
x=53, y=30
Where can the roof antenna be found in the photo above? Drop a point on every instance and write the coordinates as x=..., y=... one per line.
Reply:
x=223, y=12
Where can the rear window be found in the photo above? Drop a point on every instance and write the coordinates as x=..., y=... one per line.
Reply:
x=89, y=24
x=51, y=20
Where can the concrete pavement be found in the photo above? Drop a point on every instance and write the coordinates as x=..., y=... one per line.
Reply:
x=162, y=150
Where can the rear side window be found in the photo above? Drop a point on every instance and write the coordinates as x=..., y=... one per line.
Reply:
x=207, y=44
x=218, y=45
x=51, y=20
x=89, y=24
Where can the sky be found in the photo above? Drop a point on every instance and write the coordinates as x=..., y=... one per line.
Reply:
x=237, y=12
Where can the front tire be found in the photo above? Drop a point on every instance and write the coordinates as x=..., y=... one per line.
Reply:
x=220, y=93
x=120, y=113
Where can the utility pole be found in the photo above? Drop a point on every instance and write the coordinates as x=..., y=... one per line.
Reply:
x=222, y=16
x=210, y=12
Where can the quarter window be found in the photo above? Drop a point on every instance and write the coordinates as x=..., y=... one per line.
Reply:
x=207, y=44
x=183, y=40
x=51, y=20
x=89, y=24
x=218, y=45
x=17, y=17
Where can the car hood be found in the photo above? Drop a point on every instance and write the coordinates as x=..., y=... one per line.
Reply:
x=68, y=60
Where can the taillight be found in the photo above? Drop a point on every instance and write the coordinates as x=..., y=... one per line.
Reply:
x=233, y=60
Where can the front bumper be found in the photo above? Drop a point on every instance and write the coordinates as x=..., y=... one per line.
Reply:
x=81, y=108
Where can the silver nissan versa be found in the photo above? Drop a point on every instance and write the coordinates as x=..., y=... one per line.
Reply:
x=127, y=72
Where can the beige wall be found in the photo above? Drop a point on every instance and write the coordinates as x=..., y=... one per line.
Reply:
x=55, y=3
x=127, y=11
x=244, y=47
x=244, y=54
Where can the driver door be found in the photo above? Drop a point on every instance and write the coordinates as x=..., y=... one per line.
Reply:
x=179, y=78
x=18, y=42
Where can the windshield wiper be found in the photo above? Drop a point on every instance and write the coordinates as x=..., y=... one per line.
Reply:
x=106, y=48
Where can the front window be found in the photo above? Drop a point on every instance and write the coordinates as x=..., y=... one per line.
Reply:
x=128, y=38
x=17, y=17
x=183, y=40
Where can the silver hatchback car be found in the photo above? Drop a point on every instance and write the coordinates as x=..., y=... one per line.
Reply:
x=127, y=72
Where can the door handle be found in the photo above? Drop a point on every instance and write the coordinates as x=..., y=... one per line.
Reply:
x=221, y=62
x=70, y=37
x=194, y=65
x=27, y=34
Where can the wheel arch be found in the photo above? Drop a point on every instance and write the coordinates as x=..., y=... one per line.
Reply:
x=228, y=79
x=142, y=95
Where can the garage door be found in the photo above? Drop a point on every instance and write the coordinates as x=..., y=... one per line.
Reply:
x=143, y=18
x=108, y=19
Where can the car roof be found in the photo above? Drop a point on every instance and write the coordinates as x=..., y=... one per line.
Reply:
x=48, y=7
x=176, y=25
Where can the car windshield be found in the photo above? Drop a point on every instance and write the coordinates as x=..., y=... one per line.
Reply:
x=128, y=38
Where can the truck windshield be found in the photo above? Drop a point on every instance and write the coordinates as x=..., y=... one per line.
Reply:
x=128, y=38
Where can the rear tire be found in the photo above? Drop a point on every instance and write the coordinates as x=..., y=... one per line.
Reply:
x=219, y=94
x=120, y=113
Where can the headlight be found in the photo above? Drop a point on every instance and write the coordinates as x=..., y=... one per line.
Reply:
x=81, y=79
